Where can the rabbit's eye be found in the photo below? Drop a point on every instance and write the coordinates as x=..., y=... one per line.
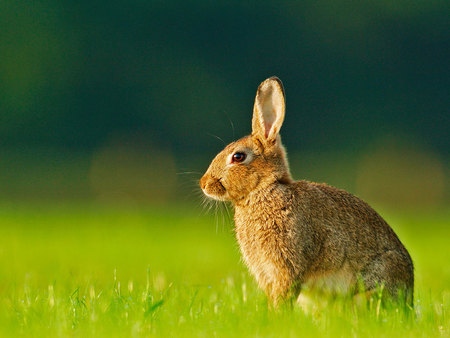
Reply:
x=239, y=157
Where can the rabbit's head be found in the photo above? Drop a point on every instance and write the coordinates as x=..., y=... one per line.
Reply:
x=255, y=161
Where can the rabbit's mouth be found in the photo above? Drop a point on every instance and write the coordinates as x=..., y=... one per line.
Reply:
x=213, y=188
x=215, y=197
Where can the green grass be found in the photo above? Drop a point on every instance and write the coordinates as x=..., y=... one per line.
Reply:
x=93, y=270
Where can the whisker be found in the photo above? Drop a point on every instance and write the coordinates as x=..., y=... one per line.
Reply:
x=231, y=122
x=217, y=137
x=228, y=212
x=223, y=218
x=189, y=173
x=210, y=204
x=216, y=217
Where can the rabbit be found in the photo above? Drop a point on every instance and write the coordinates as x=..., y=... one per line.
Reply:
x=295, y=235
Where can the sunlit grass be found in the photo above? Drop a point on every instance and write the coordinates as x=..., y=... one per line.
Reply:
x=92, y=270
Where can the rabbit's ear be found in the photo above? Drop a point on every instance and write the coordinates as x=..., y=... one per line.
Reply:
x=268, y=112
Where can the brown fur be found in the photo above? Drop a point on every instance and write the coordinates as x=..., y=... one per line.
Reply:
x=297, y=234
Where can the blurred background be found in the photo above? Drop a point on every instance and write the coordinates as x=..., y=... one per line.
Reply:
x=123, y=100
x=110, y=112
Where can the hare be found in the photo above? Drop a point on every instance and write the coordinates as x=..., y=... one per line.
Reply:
x=299, y=234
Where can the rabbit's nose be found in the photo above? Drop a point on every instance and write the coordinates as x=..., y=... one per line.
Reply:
x=203, y=182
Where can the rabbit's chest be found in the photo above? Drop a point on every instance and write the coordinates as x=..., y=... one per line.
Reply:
x=262, y=251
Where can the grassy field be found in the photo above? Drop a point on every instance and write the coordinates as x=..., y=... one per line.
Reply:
x=95, y=270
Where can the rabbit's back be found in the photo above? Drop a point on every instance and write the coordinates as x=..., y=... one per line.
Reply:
x=358, y=237
x=351, y=228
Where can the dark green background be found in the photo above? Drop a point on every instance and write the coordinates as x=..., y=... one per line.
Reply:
x=157, y=77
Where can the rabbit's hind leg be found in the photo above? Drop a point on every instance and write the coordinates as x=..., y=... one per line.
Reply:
x=390, y=273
